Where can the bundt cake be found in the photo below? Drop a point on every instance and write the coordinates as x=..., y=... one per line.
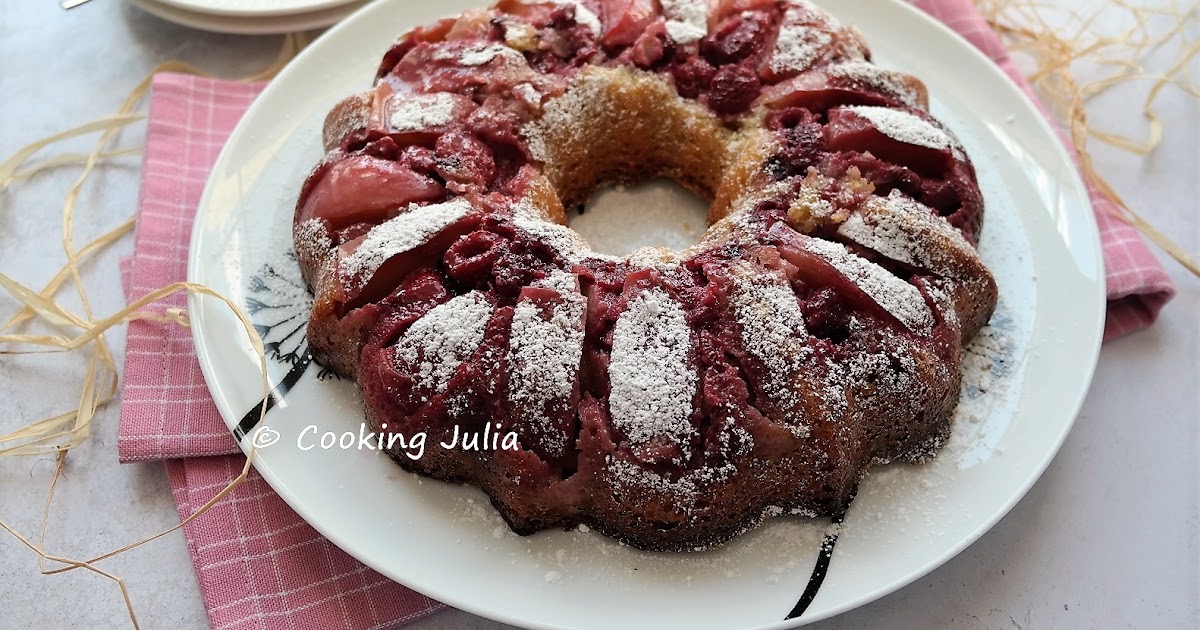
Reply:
x=669, y=399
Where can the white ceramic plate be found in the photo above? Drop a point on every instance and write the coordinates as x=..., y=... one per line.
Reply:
x=254, y=8
x=1040, y=240
x=249, y=24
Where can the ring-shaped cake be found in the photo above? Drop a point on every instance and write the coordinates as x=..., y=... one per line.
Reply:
x=670, y=399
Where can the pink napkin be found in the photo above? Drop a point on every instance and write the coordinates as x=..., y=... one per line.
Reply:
x=259, y=564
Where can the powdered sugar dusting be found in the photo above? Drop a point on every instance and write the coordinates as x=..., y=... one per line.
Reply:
x=585, y=16
x=652, y=382
x=544, y=353
x=687, y=20
x=993, y=367
x=904, y=127
x=805, y=11
x=773, y=330
x=565, y=283
x=568, y=243
x=584, y=100
x=445, y=337
x=899, y=227
x=892, y=370
x=311, y=239
x=799, y=45
x=418, y=112
x=986, y=363
x=525, y=209
x=870, y=75
x=901, y=299
x=528, y=93
x=907, y=209
x=563, y=240
x=659, y=258
x=684, y=33
x=350, y=115
x=401, y=234
x=940, y=296
x=884, y=237
x=481, y=54
x=685, y=489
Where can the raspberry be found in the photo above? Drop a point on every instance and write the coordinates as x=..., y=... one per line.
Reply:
x=692, y=76
x=464, y=162
x=733, y=89
x=736, y=38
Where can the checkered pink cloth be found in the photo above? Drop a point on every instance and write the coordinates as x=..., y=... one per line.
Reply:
x=260, y=565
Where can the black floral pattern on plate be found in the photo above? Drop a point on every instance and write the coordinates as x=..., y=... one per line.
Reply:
x=278, y=303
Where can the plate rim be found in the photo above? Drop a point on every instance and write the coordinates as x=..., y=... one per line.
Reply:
x=239, y=24
x=1084, y=226
x=236, y=12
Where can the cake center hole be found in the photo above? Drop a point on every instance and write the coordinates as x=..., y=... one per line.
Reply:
x=659, y=212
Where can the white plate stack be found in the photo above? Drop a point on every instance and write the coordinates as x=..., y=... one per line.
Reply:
x=252, y=17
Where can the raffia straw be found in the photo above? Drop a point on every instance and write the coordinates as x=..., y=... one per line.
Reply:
x=60, y=433
x=9, y=167
x=1026, y=27
x=68, y=159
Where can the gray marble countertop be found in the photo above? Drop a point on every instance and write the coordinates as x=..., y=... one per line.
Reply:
x=1109, y=537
